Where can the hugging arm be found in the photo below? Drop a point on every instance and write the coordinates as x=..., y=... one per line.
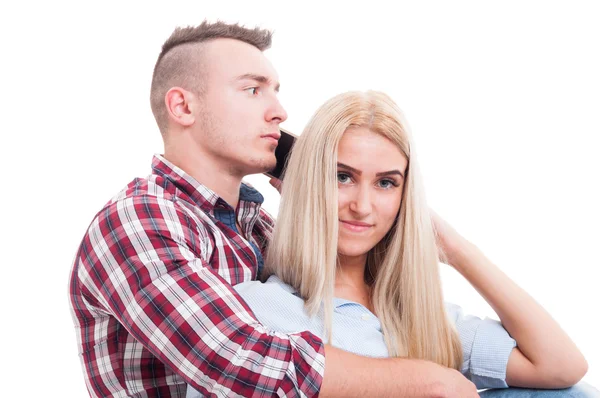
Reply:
x=350, y=375
x=346, y=374
x=141, y=264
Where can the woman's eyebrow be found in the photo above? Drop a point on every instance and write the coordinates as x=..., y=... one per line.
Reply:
x=383, y=173
x=391, y=172
x=352, y=169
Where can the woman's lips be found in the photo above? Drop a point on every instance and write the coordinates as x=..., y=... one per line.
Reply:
x=355, y=226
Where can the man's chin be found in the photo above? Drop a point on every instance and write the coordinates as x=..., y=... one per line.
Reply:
x=263, y=165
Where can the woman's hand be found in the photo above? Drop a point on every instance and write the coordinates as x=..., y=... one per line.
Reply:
x=545, y=356
x=451, y=244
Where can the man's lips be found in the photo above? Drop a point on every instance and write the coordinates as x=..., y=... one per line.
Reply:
x=272, y=137
x=355, y=226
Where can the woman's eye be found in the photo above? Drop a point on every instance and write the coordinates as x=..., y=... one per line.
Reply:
x=386, y=184
x=343, y=178
x=252, y=90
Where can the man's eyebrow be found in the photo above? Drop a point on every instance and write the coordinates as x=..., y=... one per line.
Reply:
x=383, y=173
x=259, y=78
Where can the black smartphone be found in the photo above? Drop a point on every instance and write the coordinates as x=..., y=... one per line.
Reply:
x=284, y=148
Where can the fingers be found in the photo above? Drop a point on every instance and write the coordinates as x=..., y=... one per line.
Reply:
x=276, y=183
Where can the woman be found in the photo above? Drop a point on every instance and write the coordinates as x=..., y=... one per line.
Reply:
x=354, y=260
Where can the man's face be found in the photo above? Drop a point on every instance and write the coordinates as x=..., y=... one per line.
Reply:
x=238, y=121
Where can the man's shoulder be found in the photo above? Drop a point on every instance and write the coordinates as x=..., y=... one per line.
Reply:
x=152, y=186
x=147, y=199
x=151, y=190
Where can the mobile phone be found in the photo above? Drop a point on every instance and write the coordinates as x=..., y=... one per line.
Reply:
x=282, y=152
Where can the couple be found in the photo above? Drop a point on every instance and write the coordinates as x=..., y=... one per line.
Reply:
x=163, y=289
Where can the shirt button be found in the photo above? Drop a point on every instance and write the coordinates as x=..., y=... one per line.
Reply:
x=365, y=317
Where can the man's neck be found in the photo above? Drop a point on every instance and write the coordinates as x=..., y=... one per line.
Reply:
x=207, y=171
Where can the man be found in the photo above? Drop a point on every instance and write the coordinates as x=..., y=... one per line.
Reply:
x=151, y=286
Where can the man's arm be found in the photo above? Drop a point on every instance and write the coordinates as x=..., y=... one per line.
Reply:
x=350, y=375
x=141, y=262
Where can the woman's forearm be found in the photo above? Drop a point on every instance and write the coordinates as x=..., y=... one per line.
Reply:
x=539, y=337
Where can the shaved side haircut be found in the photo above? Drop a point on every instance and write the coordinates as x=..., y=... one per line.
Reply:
x=181, y=60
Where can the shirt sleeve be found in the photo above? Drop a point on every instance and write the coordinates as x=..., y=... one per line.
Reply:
x=141, y=262
x=486, y=347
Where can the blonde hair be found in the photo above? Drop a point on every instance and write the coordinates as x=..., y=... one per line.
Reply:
x=402, y=268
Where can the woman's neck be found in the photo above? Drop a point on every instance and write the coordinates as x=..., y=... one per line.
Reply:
x=350, y=281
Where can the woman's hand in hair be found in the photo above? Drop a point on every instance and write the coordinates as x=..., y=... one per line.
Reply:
x=450, y=243
x=545, y=356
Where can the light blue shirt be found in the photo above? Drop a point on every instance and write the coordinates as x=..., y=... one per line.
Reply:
x=486, y=344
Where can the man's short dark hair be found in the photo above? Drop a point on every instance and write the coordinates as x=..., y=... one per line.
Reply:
x=180, y=61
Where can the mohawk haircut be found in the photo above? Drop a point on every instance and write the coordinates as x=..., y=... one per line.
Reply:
x=180, y=62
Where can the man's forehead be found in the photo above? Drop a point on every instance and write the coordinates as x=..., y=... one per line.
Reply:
x=235, y=58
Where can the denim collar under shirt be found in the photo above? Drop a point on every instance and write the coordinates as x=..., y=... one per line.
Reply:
x=212, y=203
x=227, y=215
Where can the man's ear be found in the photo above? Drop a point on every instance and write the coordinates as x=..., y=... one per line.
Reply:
x=178, y=102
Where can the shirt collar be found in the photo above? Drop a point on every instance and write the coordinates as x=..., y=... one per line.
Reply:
x=249, y=194
x=200, y=194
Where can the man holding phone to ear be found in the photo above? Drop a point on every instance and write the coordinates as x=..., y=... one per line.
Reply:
x=151, y=286
x=284, y=147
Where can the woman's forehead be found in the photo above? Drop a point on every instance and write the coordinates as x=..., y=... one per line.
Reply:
x=359, y=146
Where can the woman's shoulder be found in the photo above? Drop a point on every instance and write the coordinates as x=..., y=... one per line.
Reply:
x=273, y=286
x=276, y=305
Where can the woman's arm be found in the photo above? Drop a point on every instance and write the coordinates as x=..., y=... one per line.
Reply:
x=545, y=356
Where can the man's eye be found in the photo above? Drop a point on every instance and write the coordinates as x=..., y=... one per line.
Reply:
x=252, y=90
x=343, y=178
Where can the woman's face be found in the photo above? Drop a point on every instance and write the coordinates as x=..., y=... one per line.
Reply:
x=370, y=175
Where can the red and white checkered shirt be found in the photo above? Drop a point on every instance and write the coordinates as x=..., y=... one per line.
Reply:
x=153, y=305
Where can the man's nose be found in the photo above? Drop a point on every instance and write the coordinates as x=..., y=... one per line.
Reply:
x=276, y=112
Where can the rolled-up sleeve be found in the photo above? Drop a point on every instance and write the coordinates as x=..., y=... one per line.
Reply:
x=140, y=264
x=486, y=347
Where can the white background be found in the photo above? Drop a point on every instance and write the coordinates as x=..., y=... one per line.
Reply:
x=503, y=99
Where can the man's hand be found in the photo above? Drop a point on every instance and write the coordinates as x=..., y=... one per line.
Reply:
x=276, y=183
x=454, y=384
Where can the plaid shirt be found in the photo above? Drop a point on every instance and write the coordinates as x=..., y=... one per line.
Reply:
x=153, y=305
